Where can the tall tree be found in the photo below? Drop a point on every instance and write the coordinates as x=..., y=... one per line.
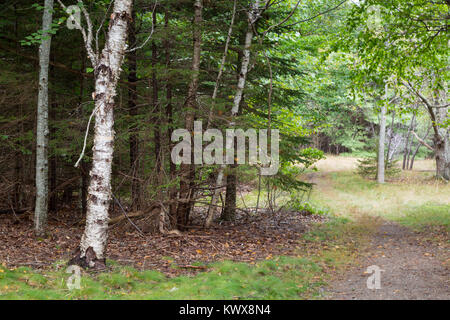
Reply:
x=107, y=67
x=42, y=131
x=253, y=16
x=187, y=173
x=133, y=111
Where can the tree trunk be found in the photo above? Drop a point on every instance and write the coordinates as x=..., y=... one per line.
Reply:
x=155, y=105
x=408, y=152
x=91, y=252
x=380, y=173
x=442, y=138
x=235, y=109
x=418, y=147
x=169, y=114
x=408, y=137
x=133, y=111
x=53, y=163
x=390, y=138
x=42, y=131
x=84, y=167
x=187, y=171
x=229, y=212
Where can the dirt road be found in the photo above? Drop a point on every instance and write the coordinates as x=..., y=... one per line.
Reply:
x=412, y=270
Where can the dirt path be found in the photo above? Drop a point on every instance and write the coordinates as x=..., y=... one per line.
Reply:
x=412, y=270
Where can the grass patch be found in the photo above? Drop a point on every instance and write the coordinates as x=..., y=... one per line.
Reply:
x=415, y=201
x=426, y=216
x=278, y=278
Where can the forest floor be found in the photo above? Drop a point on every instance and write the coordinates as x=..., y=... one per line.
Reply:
x=401, y=226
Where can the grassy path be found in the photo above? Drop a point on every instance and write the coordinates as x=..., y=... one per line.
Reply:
x=410, y=243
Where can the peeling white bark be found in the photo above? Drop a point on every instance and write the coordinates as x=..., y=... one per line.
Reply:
x=107, y=73
x=253, y=16
x=42, y=131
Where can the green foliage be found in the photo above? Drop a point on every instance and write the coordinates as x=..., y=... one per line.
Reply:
x=305, y=208
x=368, y=166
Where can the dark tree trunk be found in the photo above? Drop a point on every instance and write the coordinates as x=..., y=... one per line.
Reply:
x=169, y=114
x=155, y=104
x=133, y=112
x=187, y=172
x=52, y=205
x=84, y=167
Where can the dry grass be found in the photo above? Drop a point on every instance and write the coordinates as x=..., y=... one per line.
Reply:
x=335, y=164
x=347, y=194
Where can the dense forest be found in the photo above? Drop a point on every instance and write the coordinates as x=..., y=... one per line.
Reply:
x=102, y=100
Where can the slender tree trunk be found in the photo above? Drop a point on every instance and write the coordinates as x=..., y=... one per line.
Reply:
x=381, y=141
x=388, y=159
x=169, y=115
x=410, y=145
x=84, y=167
x=222, y=65
x=18, y=167
x=53, y=162
x=42, y=132
x=408, y=137
x=107, y=70
x=418, y=147
x=133, y=111
x=155, y=104
x=229, y=212
x=236, y=103
x=187, y=171
x=52, y=130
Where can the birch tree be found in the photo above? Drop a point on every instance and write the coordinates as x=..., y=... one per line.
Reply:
x=42, y=130
x=107, y=68
x=253, y=16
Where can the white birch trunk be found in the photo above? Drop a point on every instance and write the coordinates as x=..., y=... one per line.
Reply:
x=42, y=132
x=107, y=72
x=253, y=16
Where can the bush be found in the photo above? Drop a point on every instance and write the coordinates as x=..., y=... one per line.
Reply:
x=304, y=208
x=368, y=168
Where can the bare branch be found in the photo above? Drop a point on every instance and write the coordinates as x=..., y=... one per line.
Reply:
x=422, y=141
x=101, y=25
x=150, y=35
x=87, y=37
